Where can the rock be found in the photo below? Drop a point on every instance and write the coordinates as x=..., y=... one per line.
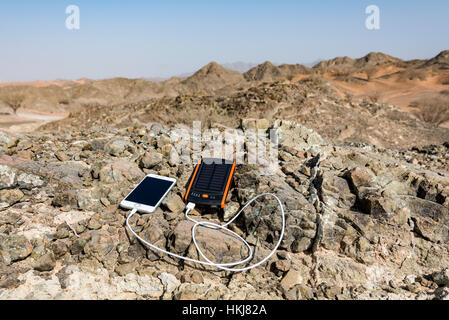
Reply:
x=216, y=245
x=197, y=277
x=94, y=223
x=65, y=198
x=96, y=168
x=361, y=177
x=337, y=187
x=117, y=146
x=283, y=265
x=101, y=246
x=87, y=200
x=14, y=248
x=431, y=219
x=295, y=136
x=283, y=255
x=442, y=277
x=150, y=159
x=29, y=181
x=169, y=216
x=8, y=141
x=170, y=284
x=11, y=196
x=299, y=292
x=61, y=156
x=174, y=203
x=301, y=245
x=194, y=277
x=105, y=201
x=120, y=172
x=292, y=278
x=59, y=248
x=124, y=269
x=174, y=158
x=45, y=263
x=7, y=177
x=230, y=210
x=146, y=286
x=166, y=148
x=255, y=124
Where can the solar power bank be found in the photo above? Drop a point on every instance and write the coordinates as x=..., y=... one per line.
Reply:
x=210, y=182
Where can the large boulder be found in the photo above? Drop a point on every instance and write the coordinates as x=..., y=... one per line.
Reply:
x=217, y=245
x=431, y=219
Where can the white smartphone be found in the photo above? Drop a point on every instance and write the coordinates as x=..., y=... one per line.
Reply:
x=149, y=193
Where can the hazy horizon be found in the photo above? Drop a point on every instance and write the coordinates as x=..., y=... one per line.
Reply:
x=152, y=39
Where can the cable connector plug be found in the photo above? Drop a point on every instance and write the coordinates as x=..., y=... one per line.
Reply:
x=190, y=206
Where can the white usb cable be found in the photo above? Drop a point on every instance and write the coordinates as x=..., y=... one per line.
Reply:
x=210, y=225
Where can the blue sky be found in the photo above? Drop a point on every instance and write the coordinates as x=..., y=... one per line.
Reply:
x=165, y=38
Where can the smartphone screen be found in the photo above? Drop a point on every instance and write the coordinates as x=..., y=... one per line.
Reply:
x=150, y=191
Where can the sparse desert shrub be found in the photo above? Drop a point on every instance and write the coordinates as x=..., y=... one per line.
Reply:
x=415, y=75
x=444, y=92
x=445, y=81
x=371, y=73
x=374, y=96
x=13, y=99
x=343, y=73
x=91, y=102
x=64, y=101
x=433, y=110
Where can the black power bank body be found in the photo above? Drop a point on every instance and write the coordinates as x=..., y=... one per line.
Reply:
x=210, y=182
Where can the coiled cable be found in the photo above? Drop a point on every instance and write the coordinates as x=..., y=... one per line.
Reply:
x=215, y=226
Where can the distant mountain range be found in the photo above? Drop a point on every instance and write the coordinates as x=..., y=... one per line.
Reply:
x=216, y=79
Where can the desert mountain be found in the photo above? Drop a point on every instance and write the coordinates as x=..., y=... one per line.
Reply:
x=241, y=67
x=377, y=58
x=441, y=61
x=325, y=65
x=267, y=71
x=376, y=76
x=212, y=77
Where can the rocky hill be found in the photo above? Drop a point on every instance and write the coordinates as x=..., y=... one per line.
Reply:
x=212, y=77
x=312, y=102
x=268, y=72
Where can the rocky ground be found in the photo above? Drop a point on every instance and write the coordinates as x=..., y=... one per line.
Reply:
x=312, y=102
x=363, y=222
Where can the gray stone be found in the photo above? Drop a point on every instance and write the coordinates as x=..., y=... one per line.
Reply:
x=116, y=147
x=29, y=181
x=8, y=141
x=14, y=248
x=230, y=210
x=442, y=277
x=292, y=278
x=46, y=262
x=150, y=159
x=11, y=196
x=7, y=177
x=174, y=203
x=170, y=284
x=120, y=172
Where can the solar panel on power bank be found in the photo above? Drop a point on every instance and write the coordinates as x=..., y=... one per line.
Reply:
x=210, y=182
